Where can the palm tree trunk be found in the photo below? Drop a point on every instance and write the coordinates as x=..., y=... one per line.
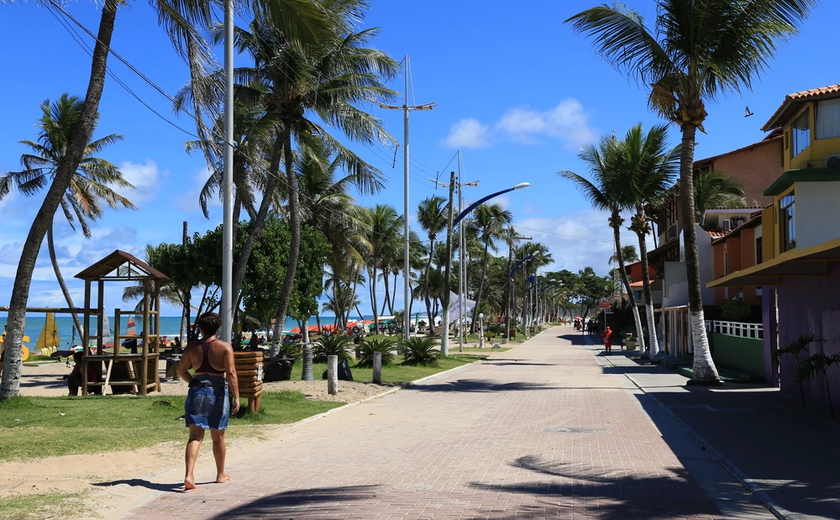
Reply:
x=480, y=290
x=703, y=368
x=67, y=166
x=623, y=275
x=67, y=297
x=257, y=225
x=651, y=322
x=294, y=229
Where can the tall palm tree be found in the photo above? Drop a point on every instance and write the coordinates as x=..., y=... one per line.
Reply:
x=651, y=167
x=384, y=237
x=489, y=221
x=431, y=215
x=609, y=191
x=696, y=51
x=89, y=186
x=716, y=190
x=300, y=86
x=179, y=19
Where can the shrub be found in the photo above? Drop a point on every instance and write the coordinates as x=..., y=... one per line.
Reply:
x=384, y=345
x=334, y=345
x=735, y=310
x=420, y=351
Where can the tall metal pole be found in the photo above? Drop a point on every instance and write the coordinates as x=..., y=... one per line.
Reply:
x=227, y=184
x=447, y=273
x=406, y=108
x=406, y=284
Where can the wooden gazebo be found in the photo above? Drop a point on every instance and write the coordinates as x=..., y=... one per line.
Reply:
x=138, y=371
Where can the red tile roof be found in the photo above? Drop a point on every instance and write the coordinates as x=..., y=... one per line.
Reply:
x=717, y=234
x=794, y=101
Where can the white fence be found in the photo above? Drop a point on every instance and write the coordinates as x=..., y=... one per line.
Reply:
x=735, y=328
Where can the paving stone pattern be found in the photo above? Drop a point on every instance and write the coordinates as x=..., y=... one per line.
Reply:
x=549, y=429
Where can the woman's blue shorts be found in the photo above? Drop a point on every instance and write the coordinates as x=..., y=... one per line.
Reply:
x=207, y=403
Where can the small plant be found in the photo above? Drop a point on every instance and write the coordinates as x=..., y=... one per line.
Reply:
x=794, y=348
x=420, y=351
x=735, y=310
x=290, y=350
x=332, y=346
x=386, y=346
x=819, y=363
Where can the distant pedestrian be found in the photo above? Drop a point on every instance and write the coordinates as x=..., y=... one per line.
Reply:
x=607, y=336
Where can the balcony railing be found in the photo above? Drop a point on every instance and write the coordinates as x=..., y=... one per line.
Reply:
x=736, y=328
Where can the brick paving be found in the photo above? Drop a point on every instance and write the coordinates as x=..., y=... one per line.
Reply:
x=549, y=429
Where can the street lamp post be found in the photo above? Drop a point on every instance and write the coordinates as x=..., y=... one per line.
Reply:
x=444, y=332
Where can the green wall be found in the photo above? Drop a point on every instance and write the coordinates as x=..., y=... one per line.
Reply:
x=744, y=355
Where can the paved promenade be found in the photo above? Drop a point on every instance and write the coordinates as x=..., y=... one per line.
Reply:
x=553, y=428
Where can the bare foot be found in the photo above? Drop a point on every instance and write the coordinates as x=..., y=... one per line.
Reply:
x=188, y=486
x=222, y=478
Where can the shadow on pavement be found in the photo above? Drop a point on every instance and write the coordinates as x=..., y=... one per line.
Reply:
x=495, y=361
x=477, y=385
x=614, y=497
x=789, y=452
x=136, y=482
x=303, y=503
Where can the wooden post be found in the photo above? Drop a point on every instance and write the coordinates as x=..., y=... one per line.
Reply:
x=377, y=368
x=332, y=375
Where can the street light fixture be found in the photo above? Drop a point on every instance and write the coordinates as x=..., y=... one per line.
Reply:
x=444, y=329
x=481, y=329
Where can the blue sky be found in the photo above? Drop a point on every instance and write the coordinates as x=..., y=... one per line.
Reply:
x=517, y=94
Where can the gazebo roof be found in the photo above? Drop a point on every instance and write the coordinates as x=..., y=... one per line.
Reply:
x=137, y=269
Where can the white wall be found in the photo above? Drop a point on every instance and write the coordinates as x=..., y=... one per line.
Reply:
x=815, y=208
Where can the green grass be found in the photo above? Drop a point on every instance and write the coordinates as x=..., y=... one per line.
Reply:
x=36, y=507
x=32, y=427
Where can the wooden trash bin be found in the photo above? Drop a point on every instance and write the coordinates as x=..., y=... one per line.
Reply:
x=249, y=372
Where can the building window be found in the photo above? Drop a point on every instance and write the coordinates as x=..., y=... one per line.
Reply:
x=787, y=221
x=758, y=251
x=801, y=131
x=828, y=119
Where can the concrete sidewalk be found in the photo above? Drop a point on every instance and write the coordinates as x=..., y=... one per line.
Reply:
x=550, y=429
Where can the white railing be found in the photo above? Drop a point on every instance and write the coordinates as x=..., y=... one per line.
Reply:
x=736, y=328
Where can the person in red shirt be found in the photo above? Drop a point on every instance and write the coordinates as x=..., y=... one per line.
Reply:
x=607, y=336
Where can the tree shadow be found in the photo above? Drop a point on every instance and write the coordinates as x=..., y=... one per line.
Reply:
x=329, y=503
x=574, y=339
x=477, y=385
x=496, y=361
x=576, y=487
x=137, y=482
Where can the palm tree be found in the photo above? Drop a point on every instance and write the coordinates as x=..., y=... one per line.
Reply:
x=716, y=190
x=696, y=51
x=651, y=167
x=489, y=221
x=384, y=228
x=89, y=186
x=609, y=191
x=628, y=254
x=295, y=83
x=431, y=215
x=302, y=18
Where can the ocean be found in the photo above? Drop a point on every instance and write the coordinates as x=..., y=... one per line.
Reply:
x=170, y=326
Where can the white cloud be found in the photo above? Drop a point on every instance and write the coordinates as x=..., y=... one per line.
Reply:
x=568, y=122
x=188, y=200
x=144, y=177
x=576, y=240
x=468, y=133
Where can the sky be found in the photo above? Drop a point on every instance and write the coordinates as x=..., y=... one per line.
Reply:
x=517, y=94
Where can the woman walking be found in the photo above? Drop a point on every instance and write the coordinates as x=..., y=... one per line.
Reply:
x=207, y=405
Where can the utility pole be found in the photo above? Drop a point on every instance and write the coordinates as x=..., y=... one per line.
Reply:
x=447, y=274
x=406, y=108
x=462, y=270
